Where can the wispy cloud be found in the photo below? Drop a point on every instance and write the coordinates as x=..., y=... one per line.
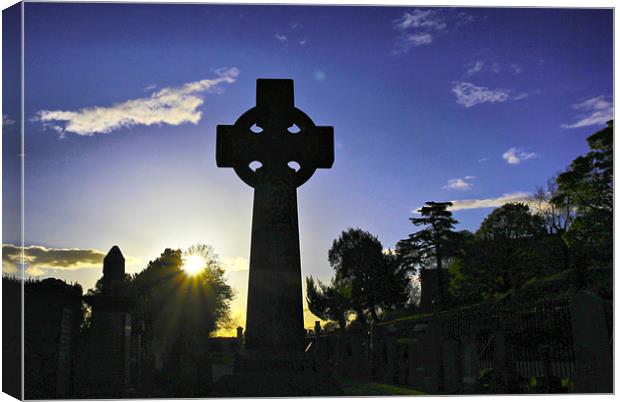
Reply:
x=496, y=67
x=419, y=26
x=233, y=264
x=170, y=105
x=514, y=156
x=474, y=67
x=482, y=160
x=292, y=34
x=515, y=68
x=594, y=111
x=468, y=94
x=460, y=183
x=38, y=259
x=7, y=121
x=458, y=205
x=420, y=18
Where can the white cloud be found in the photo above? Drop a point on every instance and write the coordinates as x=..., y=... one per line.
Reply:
x=281, y=38
x=458, y=205
x=482, y=160
x=514, y=156
x=233, y=264
x=468, y=94
x=516, y=69
x=495, y=67
x=460, y=183
x=418, y=27
x=594, y=111
x=417, y=39
x=170, y=105
x=7, y=121
x=520, y=96
x=474, y=67
x=420, y=18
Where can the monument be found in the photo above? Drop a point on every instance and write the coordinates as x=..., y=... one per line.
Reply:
x=274, y=147
x=108, y=339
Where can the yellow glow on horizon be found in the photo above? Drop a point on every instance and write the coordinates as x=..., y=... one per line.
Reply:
x=193, y=264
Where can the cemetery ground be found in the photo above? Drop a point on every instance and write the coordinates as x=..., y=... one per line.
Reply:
x=353, y=387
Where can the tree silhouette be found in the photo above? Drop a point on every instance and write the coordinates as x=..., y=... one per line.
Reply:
x=173, y=304
x=511, y=246
x=588, y=184
x=378, y=281
x=432, y=244
x=511, y=222
x=558, y=213
x=329, y=302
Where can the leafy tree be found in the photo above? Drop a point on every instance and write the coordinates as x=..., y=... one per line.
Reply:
x=433, y=244
x=511, y=222
x=588, y=184
x=378, y=281
x=511, y=246
x=558, y=213
x=329, y=302
x=174, y=304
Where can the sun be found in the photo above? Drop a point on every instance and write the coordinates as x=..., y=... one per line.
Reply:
x=193, y=264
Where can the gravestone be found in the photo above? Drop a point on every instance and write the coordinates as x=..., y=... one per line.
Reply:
x=451, y=375
x=469, y=364
x=105, y=370
x=593, y=354
x=274, y=148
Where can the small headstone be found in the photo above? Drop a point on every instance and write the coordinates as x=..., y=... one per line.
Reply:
x=451, y=374
x=593, y=356
x=469, y=364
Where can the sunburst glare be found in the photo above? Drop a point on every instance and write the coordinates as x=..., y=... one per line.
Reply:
x=193, y=264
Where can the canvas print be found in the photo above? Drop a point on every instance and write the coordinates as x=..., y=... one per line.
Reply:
x=229, y=200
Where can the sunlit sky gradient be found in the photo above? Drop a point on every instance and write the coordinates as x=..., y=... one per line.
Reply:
x=427, y=104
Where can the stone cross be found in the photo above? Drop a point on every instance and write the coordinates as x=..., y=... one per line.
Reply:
x=262, y=147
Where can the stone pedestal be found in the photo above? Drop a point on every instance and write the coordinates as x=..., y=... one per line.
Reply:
x=268, y=374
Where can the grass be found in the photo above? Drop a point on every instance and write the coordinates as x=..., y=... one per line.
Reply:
x=366, y=388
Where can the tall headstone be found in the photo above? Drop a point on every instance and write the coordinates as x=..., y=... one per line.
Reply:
x=274, y=134
x=106, y=365
x=274, y=147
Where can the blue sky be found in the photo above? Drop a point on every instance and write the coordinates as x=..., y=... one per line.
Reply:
x=121, y=104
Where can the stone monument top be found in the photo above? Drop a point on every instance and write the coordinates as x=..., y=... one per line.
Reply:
x=263, y=147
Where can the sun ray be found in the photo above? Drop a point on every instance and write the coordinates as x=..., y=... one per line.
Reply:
x=193, y=264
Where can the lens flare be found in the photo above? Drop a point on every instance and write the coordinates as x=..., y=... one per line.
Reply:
x=193, y=264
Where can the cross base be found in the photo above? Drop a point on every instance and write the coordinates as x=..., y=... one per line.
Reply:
x=261, y=374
